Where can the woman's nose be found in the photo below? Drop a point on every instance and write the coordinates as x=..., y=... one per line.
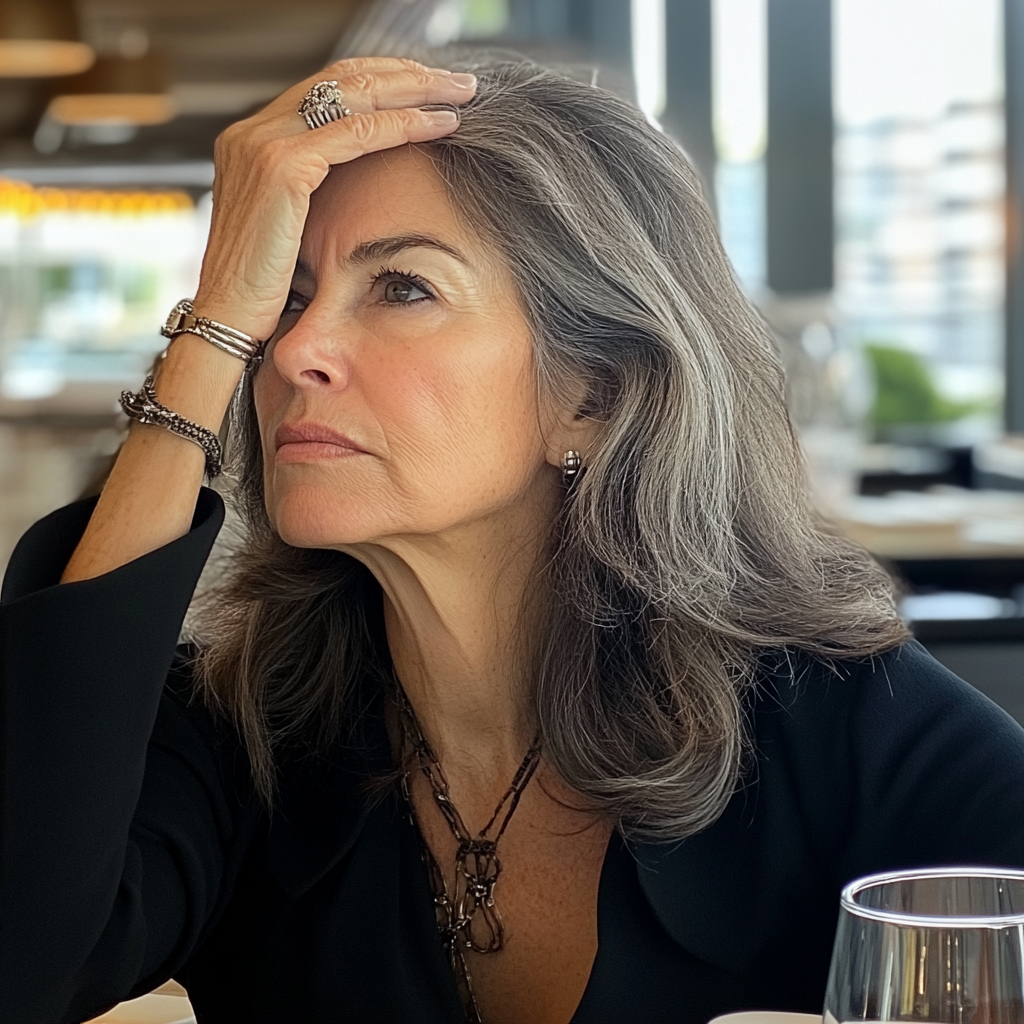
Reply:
x=309, y=355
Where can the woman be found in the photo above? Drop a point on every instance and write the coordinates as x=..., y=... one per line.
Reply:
x=536, y=692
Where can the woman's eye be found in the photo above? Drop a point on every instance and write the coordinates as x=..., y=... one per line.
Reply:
x=404, y=290
x=294, y=304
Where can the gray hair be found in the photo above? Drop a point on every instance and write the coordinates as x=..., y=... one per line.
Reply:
x=686, y=553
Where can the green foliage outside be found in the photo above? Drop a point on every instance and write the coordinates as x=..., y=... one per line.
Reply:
x=137, y=285
x=905, y=392
x=483, y=18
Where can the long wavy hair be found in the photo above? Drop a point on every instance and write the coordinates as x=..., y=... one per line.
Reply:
x=686, y=553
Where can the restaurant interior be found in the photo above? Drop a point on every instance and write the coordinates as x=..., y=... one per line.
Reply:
x=864, y=158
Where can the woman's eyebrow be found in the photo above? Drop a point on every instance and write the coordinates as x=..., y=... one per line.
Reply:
x=387, y=248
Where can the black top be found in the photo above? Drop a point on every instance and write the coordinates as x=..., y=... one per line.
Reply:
x=133, y=849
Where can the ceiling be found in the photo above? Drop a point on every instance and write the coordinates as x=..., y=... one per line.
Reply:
x=224, y=58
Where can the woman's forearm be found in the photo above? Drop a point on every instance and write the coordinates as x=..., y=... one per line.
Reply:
x=150, y=496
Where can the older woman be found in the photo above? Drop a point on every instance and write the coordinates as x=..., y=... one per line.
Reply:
x=535, y=692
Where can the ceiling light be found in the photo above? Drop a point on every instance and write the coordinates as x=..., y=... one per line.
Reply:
x=40, y=39
x=119, y=89
x=43, y=58
x=113, y=108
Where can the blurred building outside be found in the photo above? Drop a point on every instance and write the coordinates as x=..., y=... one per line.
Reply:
x=920, y=256
x=919, y=247
x=86, y=277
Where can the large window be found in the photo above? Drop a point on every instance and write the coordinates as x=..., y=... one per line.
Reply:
x=919, y=193
x=86, y=277
x=740, y=116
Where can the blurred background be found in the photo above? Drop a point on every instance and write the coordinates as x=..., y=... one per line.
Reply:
x=865, y=159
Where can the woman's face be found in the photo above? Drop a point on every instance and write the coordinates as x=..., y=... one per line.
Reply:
x=398, y=395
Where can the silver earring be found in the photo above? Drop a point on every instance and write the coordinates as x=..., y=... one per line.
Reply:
x=572, y=463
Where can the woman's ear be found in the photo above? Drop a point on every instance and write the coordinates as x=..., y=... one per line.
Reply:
x=571, y=430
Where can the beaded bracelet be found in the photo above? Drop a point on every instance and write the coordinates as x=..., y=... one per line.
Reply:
x=144, y=407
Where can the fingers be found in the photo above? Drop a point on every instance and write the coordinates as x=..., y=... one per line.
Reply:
x=375, y=83
x=387, y=128
x=355, y=136
x=359, y=65
x=366, y=91
x=385, y=96
x=356, y=65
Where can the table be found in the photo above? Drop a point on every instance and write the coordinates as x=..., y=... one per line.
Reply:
x=944, y=522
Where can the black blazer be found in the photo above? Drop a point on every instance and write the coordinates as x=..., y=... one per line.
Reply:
x=132, y=849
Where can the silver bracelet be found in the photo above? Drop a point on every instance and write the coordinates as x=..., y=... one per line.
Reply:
x=144, y=407
x=182, y=320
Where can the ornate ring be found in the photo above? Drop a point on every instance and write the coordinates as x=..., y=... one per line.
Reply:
x=323, y=104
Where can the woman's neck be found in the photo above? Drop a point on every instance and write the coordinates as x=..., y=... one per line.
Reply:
x=458, y=609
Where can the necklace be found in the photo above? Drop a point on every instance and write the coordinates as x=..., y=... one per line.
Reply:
x=469, y=918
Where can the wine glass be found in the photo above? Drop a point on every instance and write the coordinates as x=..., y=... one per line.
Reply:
x=944, y=945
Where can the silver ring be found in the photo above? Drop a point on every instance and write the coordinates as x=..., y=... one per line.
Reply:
x=323, y=104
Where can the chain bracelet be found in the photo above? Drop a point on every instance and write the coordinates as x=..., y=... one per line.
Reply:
x=144, y=407
x=182, y=320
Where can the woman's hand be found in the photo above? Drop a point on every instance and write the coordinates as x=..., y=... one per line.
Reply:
x=268, y=165
x=266, y=168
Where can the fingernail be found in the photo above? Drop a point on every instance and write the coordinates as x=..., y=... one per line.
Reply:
x=464, y=81
x=443, y=117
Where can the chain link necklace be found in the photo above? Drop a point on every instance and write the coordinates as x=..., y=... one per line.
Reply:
x=469, y=918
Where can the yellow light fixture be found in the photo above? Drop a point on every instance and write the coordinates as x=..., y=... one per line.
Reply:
x=112, y=108
x=119, y=89
x=40, y=39
x=20, y=199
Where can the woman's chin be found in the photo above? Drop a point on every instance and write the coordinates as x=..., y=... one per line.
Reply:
x=305, y=523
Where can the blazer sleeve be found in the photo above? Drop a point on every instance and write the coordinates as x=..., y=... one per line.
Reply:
x=121, y=808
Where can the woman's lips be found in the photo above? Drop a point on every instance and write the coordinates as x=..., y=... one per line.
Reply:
x=310, y=442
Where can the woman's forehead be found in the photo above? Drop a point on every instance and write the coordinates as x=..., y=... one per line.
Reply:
x=398, y=187
x=396, y=193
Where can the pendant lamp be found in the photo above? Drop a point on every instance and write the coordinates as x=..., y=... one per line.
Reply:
x=40, y=39
x=128, y=87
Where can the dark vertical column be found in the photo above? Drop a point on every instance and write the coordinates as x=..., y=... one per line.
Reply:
x=799, y=158
x=603, y=27
x=687, y=116
x=1013, y=14
x=520, y=19
x=611, y=32
x=551, y=18
x=539, y=19
x=579, y=20
x=594, y=30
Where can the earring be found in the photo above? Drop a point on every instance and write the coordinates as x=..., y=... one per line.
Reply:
x=572, y=463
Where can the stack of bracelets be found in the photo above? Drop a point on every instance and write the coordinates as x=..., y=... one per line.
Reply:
x=144, y=406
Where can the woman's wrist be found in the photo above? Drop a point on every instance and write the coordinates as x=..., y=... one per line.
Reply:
x=197, y=380
x=233, y=312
